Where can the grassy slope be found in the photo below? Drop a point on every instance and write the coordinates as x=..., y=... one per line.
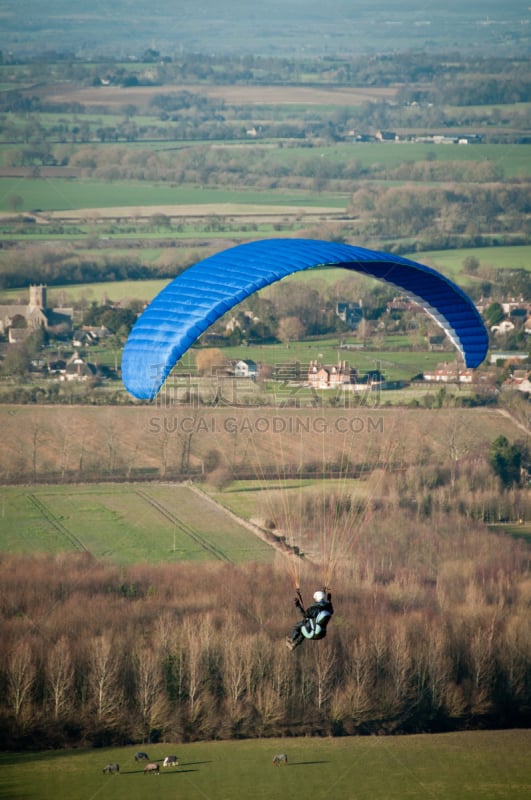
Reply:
x=484, y=765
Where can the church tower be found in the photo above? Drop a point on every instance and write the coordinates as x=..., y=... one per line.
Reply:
x=37, y=296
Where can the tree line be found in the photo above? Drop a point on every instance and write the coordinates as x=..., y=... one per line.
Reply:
x=482, y=72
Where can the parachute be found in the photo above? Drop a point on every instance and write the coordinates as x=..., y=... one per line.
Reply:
x=211, y=287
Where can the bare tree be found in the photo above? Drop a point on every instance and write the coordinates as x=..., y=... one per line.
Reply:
x=457, y=444
x=111, y=444
x=235, y=650
x=400, y=661
x=360, y=680
x=63, y=438
x=195, y=673
x=36, y=438
x=290, y=329
x=269, y=707
x=439, y=665
x=481, y=655
x=151, y=700
x=104, y=680
x=60, y=678
x=324, y=668
x=20, y=673
x=210, y=361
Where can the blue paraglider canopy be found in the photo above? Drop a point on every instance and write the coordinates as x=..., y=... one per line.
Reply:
x=204, y=292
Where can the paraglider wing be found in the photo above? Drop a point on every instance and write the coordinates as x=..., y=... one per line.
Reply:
x=207, y=290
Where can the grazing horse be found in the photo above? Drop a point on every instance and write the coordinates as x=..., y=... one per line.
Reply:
x=152, y=769
x=110, y=768
x=141, y=757
x=280, y=758
x=170, y=761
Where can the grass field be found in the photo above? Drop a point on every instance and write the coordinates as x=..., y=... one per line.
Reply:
x=154, y=523
x=450, y=262
x=56, y=194
x=485, y=765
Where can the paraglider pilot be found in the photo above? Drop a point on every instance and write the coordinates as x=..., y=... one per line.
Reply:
x=314, y=621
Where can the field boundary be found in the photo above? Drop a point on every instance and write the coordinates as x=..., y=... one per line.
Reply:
x=270, y=539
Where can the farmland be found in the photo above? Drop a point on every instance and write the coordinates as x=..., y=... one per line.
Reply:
x=124, y=523
x=117, y=522
x=487, y=765
x=228, y=452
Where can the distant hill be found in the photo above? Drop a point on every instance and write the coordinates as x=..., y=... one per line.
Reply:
x=294, y=28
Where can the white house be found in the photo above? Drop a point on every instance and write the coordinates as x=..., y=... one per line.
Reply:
x=505, y=326
x=246, y=368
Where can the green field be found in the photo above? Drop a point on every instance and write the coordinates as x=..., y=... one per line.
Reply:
x=58, y=194
x=485, y=765
x=144, y=522
x=450, y=262
x=511, y=160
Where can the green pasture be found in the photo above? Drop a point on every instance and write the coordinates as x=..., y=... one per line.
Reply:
x=113, y=291
x=64, y=194
x=257, y=498
x=483, y=765
x=512, y=160
x=395, y=364
x=127, y=523
x=450, y=262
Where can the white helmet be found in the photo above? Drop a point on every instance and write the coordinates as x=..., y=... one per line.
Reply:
x=319, y=597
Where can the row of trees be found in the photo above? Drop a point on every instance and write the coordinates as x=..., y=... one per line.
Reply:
x=42, y=144
x=433, y=634
x=479, y=75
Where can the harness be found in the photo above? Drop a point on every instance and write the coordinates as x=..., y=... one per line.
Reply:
x=315, y=627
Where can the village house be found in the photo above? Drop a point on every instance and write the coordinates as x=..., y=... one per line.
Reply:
x=329, y=377
x=516, y=308
x=77, y=369
x=401, y=303
x=505, y=326
x=386, y=136
x=518, y=380
x=449, y=373
x=246, y=368
x=89, y=335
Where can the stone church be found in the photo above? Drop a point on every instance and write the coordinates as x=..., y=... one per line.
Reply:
x=19, y=321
